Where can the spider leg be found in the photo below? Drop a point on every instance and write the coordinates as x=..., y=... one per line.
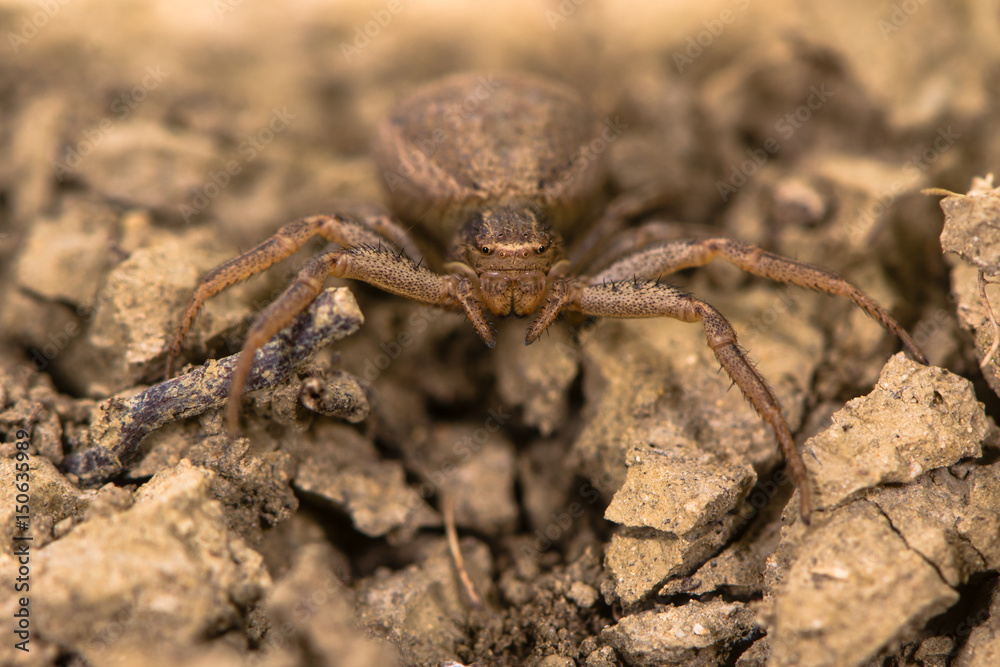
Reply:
x=643, y=298
x=342, y=229
x=639, y=238
x=376, y=265
x=666, y=258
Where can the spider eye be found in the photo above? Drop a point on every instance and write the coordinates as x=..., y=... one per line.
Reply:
x=486, y=250
x=541, y=249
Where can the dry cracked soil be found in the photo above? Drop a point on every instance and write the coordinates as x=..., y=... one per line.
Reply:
x=615, y=501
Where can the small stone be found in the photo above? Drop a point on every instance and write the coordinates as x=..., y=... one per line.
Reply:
x=583, y=595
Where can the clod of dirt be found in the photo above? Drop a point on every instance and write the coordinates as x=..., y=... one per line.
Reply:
x=53, y=499
x=145, y=164
x=854, y=588
x=917, y=418
x=972, y=225
x=28, y=400
x=870, y=573
x=312, y=618
x=737, y=569
x=422, y=609
x=686, y=498
x=253, y=486
x=554, y=661
x=344, y=468
x=475, y=464
x=696, y=633
x=536, y=377
x=983, y=645
x=972, y=231
x=180, y=576
x=65, y=258
x=973, y=315
x=135, y=315
x=46, y=296
x=641, y=561
x=934, y=652
x=677, y=490
x=950, y=518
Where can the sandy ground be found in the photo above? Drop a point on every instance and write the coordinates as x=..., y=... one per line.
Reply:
x=616, y=502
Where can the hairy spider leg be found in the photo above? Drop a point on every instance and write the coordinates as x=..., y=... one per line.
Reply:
x=628, y=289
x=377, y=265
x=342, y=229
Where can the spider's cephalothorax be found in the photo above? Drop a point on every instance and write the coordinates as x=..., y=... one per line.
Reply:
x=511, y=250
x=500, y=171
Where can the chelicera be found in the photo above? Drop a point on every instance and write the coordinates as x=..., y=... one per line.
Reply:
x=502, y=172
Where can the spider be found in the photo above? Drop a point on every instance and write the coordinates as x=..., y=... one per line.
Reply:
x=505, y=172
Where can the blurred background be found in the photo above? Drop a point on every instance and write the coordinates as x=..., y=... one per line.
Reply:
x=237, y=117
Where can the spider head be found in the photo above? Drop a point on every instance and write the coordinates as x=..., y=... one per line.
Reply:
x=511, y=249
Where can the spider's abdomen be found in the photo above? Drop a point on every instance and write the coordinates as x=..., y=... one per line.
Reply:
x=474, y=141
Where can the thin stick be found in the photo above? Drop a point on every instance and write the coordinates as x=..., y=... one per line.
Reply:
x=456, y=553
x=993, y=321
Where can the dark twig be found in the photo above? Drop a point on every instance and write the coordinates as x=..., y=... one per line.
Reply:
x=119, y=424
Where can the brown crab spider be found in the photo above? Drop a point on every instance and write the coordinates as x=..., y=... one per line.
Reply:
x=503, y=184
